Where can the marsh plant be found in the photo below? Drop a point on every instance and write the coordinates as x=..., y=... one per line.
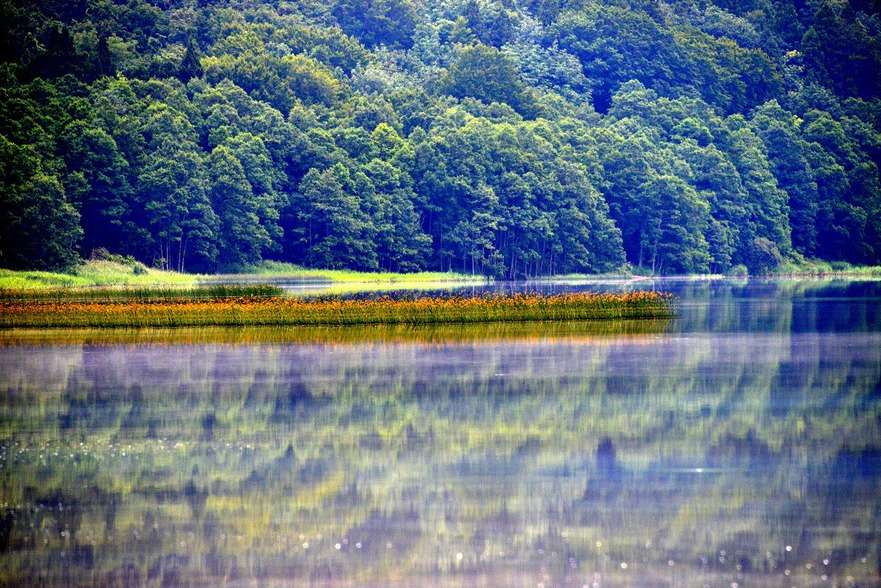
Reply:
x=257, y=305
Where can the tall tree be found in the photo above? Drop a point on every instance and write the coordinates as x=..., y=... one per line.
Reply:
x=378, y=22
x=241, y=235
x=780, y=133
x=40, y=227
x=401, y=246
x=490, y=76
x=97, y=183
x=191, y=65
x=332, y=230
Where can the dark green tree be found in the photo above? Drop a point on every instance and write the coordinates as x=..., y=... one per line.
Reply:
x=40, y=227
x=378, y=22
x=180, y=222
x=786, y=154
x=488, y=75
x=401, y=246
x=332, y=230
x=191, y=66
x=241, y=237
x=97, y=183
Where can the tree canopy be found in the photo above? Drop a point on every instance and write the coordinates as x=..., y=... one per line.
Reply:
x=485, y=136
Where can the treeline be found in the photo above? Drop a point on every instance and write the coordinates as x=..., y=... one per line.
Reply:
x=501, y=137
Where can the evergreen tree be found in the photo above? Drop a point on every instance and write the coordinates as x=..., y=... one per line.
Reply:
x=40, y=227
x=191, y=66
x=241, y=237
x=332, y=230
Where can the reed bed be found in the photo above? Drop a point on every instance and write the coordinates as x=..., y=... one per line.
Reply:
x=407, y=310
x=155, y=294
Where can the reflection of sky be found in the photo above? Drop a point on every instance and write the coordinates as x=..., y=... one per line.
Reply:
x=742, y=432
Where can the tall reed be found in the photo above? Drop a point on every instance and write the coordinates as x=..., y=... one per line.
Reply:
x=153, y=294
x=408, y=310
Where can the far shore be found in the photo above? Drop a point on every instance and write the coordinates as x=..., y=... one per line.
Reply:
x=132, y=274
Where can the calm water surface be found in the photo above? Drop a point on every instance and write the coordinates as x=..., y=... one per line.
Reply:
x=738, y=445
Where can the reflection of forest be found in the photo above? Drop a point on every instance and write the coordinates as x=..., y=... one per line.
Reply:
x=676, y=457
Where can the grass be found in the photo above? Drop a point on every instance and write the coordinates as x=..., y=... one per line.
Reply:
x=821, y=268
x=252, y=310
x=95, y=273
x=276, y=269
x=142, y=294
x=111, y=273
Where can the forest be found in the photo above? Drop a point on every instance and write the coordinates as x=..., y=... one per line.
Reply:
x=506, y=138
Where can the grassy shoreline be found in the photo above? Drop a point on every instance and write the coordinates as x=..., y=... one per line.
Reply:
x=279, y=311
x=110, y=274
x=114, y=274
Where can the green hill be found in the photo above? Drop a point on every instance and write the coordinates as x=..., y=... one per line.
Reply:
x=505, y=138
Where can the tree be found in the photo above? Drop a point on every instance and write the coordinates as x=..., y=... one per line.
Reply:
x=672, y=237
x=849, y=195
x=378, y=22
x=331, y=231
x=265, y=179
x=60, y=55
x=401, y=246
x=488, y=75
x=841, y=54
x=191, y=66
x=179, y=219
x=719, y=184
x=40, y=227
x=786, y=154
x=103, y=61
x=663, y=219
x=97, y=183
x=586, y=238
x=767, y=212
x=616, y=44
x=241, y=236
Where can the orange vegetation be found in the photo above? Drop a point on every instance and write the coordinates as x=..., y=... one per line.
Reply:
x=336, y=310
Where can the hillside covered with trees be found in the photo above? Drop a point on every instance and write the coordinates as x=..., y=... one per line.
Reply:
x=509, y=138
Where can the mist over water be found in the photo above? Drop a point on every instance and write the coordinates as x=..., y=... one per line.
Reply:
x=738, y=444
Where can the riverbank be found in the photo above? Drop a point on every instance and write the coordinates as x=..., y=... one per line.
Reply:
x=126, y=273
x=131, y=274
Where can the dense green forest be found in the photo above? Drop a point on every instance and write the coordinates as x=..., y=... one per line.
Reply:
x=508, y=138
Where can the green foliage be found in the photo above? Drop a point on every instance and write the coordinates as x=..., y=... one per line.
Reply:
x=484, y=73
x=334, y=232
x=494, y=138
x=40, y=227
x=378, y=22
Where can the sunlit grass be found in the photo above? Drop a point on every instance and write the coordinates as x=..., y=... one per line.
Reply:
x=282, y=270
x=114, y=274
x=95, y=273
x=819, y=267
x=331, y=310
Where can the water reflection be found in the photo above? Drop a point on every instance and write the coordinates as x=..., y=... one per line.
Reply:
x=687, y=455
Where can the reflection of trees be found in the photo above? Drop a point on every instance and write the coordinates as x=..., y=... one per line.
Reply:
x=569, y=455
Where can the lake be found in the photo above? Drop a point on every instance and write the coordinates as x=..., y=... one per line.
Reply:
x=736, y=445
